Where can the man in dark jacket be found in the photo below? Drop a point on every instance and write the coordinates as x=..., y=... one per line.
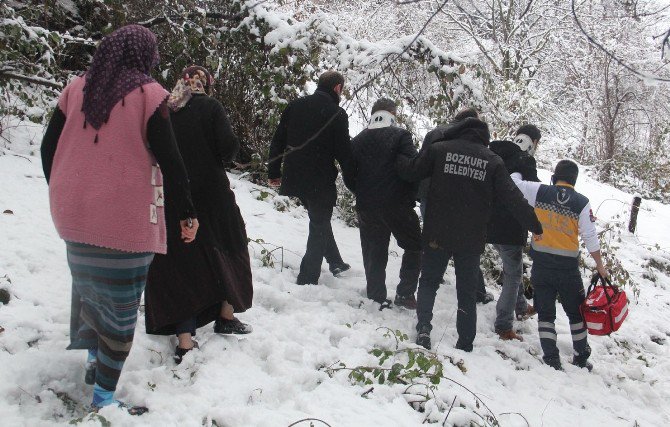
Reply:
x=465, y=178
x=508, y=236
x=437, y=135
x=314, y=132
x=385, y=205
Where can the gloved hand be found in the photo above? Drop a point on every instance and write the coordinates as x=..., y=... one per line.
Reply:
x=537, y=230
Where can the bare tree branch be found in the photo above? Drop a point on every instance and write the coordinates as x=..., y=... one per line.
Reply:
x=610, y=54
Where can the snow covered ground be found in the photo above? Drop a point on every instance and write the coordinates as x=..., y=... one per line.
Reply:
x=276, y=376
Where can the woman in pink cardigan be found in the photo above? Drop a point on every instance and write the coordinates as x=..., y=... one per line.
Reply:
x=104, y=153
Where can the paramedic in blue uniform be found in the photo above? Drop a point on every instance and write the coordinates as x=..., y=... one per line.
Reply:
x=565, y=215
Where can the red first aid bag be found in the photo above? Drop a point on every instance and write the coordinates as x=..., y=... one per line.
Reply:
x=604, y=308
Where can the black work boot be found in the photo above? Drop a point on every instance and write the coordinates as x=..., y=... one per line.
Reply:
x=554, y=362
x=581, y=360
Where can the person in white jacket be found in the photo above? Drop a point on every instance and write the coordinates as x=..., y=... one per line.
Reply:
x=565, y=215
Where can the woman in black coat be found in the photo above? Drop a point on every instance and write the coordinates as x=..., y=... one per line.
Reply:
x=209, y=279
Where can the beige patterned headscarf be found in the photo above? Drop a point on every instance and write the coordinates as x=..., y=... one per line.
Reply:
x=195, y=79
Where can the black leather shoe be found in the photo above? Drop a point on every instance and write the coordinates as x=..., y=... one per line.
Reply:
x=486, y=298
x=385, y=304
x=408, y=302
x=423, y=337
x=89, y=377
x=225, y=326
x=179, y=352
x=337, y=269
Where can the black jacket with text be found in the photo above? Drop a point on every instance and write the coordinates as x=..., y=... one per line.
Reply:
x=465, y=178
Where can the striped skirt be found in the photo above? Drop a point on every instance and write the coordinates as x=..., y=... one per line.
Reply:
x=107, y=285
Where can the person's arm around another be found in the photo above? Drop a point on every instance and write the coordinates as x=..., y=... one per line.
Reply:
x=529, y=189
x=418, y=167
x=406, y=147
x=277, y=149
x=164, y=147
x=343, y=151
x=517, y=202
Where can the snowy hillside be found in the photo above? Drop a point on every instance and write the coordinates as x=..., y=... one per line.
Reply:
x=287, y=370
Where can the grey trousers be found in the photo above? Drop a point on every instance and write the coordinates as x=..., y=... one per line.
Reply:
x=511, y=297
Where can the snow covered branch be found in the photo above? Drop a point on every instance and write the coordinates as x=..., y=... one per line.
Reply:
x=612, y=55
x=10, y=74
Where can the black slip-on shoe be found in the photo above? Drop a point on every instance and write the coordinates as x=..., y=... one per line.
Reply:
x=234, y=326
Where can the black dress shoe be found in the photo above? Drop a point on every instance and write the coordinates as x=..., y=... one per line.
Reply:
x=408, y=302
x=337, y=269
x=225, y=326
x=385, y=304
x=423, y=336
x=485, y=298
x=179, y=352
x=89, y=377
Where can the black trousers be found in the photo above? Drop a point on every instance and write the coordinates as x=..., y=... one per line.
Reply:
x=320, y=243
x=433, y=265
x=376, y=227
x=547, y=284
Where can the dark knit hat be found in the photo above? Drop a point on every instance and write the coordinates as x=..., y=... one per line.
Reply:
x=565, y=170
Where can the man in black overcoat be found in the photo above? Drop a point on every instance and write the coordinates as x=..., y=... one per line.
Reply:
x=385, y=205
x=312, y=133
x=465, y=178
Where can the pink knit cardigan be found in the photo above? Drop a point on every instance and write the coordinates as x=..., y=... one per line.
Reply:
x=109, y=193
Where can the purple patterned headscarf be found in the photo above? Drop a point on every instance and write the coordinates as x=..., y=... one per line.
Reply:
x=121, y=64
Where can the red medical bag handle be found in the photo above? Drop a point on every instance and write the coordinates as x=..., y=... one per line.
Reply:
x=605, y=283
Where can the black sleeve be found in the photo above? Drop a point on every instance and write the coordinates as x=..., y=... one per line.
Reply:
x=527, y=167
x=278, y=145
x=406, y=146
x=511, y=197
x=50, y=141
x=427, y=141
x=226, y=142
x=418, y=167
x=343, y=151
x=164, y=146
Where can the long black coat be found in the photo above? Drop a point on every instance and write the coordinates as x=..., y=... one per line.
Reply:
x=377, y=182
x=503, y=227
x=193, y=279
x=313, y=132
x=465, y=178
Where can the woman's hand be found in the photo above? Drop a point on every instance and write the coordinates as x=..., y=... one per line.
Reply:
x=189, y=228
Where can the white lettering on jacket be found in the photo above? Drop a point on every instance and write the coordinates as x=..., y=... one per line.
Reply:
x=463, y=165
